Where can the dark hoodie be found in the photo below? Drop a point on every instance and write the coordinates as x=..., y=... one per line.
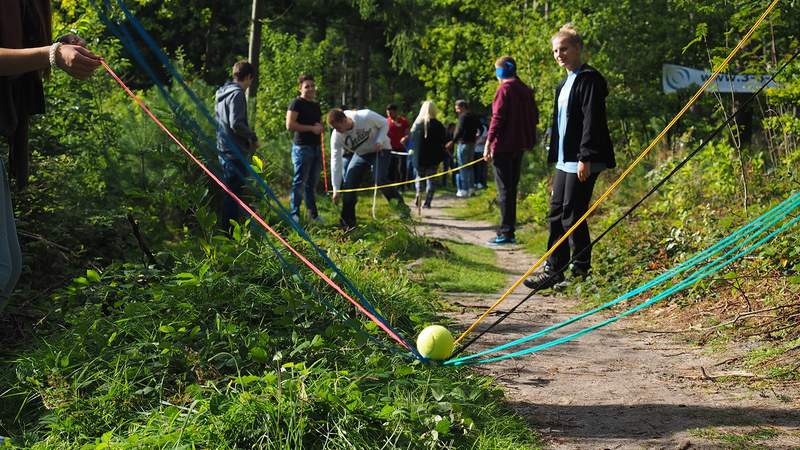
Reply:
x=586, y=138
x=231, y=109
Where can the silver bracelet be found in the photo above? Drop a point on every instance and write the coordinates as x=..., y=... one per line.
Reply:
x=52, y=55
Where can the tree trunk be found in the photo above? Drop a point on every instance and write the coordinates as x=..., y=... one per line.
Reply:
x=254, y=56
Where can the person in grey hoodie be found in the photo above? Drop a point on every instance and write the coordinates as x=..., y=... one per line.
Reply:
x=234, y=130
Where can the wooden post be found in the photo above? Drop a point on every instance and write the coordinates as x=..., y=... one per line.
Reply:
x=253, y=57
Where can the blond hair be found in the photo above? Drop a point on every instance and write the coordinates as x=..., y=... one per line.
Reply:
x=569, y=33
x=427, y=111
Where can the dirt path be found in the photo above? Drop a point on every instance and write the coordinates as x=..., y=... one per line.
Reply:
x=615, y=388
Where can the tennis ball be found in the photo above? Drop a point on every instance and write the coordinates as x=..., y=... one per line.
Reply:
x=435, y=342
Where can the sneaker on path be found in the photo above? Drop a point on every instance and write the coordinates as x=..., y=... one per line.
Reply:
x=544, y=280
x=502, y=240
x=461, y=193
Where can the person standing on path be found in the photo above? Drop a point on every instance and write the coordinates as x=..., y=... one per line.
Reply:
x=581, y=148
x=233, y=129
x=467, y=131
x=304, y=117
x=27, y=52
x=398, y=134
x=364, y=133
x=512, y=131
x=429, y=137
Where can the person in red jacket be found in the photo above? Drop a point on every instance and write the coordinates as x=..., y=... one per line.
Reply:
x=511, y=132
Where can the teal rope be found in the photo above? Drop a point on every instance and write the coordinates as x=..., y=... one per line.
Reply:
x=686, y=265
x=768, y=219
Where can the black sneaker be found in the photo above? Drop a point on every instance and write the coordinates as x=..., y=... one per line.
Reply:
x=543, y=280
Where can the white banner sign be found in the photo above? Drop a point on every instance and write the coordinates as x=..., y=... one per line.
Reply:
x=679, y=77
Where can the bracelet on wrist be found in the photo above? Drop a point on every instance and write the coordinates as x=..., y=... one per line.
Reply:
x=53, y=53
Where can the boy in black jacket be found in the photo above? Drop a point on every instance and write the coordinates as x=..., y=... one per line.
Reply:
x=581, y=148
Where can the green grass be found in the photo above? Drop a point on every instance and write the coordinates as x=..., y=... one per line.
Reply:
x=750, y=440
x=224, y=348
x=462, y=268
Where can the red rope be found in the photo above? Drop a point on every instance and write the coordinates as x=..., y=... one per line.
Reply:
x=250, y=211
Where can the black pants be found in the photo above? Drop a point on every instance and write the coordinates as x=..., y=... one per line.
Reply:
x=569, y=203
x=507, y=166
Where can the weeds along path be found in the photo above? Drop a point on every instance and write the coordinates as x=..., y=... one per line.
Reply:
x=616, y=388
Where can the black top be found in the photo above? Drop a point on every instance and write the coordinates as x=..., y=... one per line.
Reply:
x=308, y=113
x=469, y=125
x=431, y=147
x=587, y=138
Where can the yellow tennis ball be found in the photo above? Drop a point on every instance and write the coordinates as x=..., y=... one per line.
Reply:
x=435, y=342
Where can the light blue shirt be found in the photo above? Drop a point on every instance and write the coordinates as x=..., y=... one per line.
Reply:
x=563, y=101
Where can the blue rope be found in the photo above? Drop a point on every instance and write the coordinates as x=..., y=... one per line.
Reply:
x=269, y=194
x=683, y=267
x=783, y=211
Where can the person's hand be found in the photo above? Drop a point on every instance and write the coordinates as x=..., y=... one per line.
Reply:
x=584, y=170
x=317, y=128
x=76, y=61
x=72, y=39
x=487, y=153
x=378, y=147
x=449, y=146
x=335, y=196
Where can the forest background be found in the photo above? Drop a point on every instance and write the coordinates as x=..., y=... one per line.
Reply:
x=110, y=346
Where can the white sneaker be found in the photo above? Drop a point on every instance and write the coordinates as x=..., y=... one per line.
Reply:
x=461, y=193
x=480, y=186
x=296, y=218
x=318, y=220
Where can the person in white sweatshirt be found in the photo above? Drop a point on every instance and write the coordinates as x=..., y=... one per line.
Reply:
x=364, y=133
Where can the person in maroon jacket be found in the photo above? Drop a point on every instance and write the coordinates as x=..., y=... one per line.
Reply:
x=511, y=132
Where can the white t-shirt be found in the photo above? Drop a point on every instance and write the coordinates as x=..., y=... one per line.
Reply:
x=369, y=134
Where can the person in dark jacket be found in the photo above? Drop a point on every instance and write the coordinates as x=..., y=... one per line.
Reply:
x=429, y=137
x=27, y=52
x=466, y=134
x=234, y=133
x=580, y=146
x=512, y=131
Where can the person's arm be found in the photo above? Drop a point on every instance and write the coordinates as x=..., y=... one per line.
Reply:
x=592, y=104
x=293, y=125
x=498, y=122
x=381, y=126
x=238, y=119
x=76, y=61
x=337, y=169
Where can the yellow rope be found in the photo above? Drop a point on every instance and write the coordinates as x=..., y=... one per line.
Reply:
x=400, y=183
x=625, y=173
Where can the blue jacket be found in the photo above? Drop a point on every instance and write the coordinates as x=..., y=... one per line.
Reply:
x=231, y=109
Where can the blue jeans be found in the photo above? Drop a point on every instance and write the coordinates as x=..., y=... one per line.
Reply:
x=464, y=153
x=307, y=161
x=356, y=169
x=233, y=175
x=10, y=254
x=479, y=169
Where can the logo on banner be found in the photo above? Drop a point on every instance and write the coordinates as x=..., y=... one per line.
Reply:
x=675, y=78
